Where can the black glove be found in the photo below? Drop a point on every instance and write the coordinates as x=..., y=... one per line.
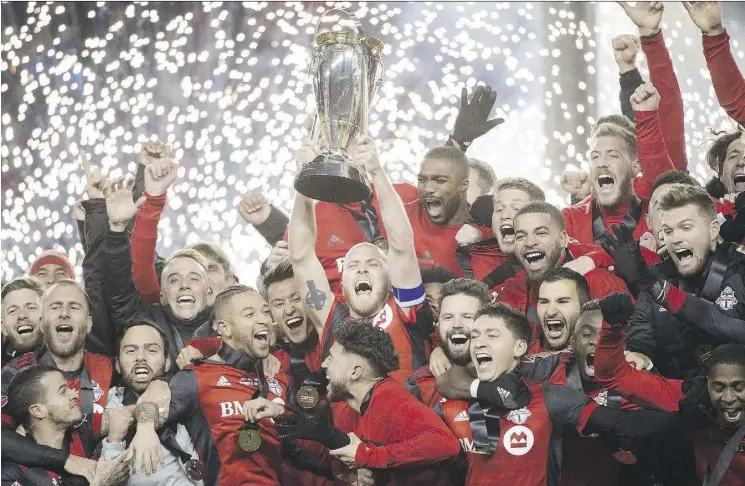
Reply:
x=733, y=229
x=482, y=210
x=629, y=262
x=617, y=308
x=716, y=188
x=317, y=426
x=508, y=392
x=695, y=407
x=472, y=121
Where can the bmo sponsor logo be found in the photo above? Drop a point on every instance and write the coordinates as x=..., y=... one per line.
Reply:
x=518, y=440
x=228, y=409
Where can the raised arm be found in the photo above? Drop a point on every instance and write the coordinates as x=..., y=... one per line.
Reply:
x=270, y=222
x=625, y=49
x=403, y=265
x=728, y=81
x=309, y=273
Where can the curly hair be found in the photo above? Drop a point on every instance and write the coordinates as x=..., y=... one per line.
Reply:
x=361, y=337
x=718, y=151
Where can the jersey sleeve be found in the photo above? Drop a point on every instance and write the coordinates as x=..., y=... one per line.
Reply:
x=14, y=475
x=184, y=395
x=568, y=407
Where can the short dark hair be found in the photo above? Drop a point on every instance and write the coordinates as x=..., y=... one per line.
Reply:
x=590, y=305
x=733, y=354
x=452, y=155
x=212, y=250
x=472, y=288
x=223, y=298
x=363, y=338
x=562, y=273
x=22, y=283
x=541, y=207
x=680, y=195
x=674, y=177
x=518, y=324
x=280, y=272
x=532, y=190
x=436, y=274
x=718, y=151
x=487, y=175
x=142, y=321
x=25, y=390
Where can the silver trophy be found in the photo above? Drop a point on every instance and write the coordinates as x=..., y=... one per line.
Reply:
x=347, y=69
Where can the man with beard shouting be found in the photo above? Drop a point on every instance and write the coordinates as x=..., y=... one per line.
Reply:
x=387, y=288
x=65, y=322
x=561, y=296
x=230, y=396
x=21, y=325
x=691, y=302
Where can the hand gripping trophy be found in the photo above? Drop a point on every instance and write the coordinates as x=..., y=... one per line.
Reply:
x=347, y=69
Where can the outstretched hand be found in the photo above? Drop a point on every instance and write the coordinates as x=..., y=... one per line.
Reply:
x=617, y=309
x=629, y=262
x=473, y=116
x=645, y=15
x=706, y=15
x=316, y=425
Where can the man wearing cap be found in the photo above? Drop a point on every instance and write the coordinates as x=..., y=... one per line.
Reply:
x=51, y=266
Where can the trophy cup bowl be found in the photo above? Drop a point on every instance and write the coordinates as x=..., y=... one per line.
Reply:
x=346, y=69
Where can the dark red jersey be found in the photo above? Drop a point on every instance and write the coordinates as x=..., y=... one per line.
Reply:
x=217, y=391
x=528, y=448
x=410, y=328
x=435, y=244
x=728, y=81
x=92, y=381
x=403, y=440
x=338, y=229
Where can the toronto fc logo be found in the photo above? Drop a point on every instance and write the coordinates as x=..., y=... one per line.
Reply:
x=727, y=300
x=384, y=317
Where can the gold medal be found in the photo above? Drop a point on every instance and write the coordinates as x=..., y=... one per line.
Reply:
x=249, y=438
x=195, y=469
x=307, y=396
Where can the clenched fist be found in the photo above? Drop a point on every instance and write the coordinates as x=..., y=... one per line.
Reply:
x=625, y=48
x=645, y=98
x=254, y=209
x=576, y=183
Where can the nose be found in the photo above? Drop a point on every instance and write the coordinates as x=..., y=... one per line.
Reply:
x=427, y=187
x=507, y=214
x=325, y=364
x=551, y=309
x=729, y=396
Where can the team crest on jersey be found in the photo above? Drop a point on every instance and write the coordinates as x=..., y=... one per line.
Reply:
x=518, y=440
x=519, y=416
x=727, y=300
x=647, y=236
x=602, y=398
x=384, y=317
x=274, y=386
x=97, y=391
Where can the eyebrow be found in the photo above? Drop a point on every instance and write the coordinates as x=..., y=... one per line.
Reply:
x=62, y=387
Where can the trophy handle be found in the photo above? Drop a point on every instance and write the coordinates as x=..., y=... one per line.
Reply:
x=352, y=17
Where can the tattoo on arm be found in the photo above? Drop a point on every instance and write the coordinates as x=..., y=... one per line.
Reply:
x=315, y=298
x=146, y=412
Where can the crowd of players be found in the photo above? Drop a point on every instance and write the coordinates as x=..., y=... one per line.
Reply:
x=463, y=331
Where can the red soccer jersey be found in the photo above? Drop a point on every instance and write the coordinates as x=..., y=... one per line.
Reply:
x=526, y=437
x=337, y=230
x=435, y=244
x=403, y=439
x=222, y=391
x=410, y=329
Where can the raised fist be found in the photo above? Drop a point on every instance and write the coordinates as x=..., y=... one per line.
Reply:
x=160, y=175
x=576, y=183
x=645, y=98
x=254, y=209
x=625, y=48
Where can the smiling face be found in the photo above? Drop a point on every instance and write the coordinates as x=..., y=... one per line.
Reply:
x=733, y=170
x=288, y=310
x=245, y=323
x=455, y=325
x=441, y=189
x=689, y=238
x=65, y=319
x=59, y=403
x=142, y=357
x=585, y=342
x=612, y=170
x=539, y=244
x=726, y=385
x=495, y=350
x=184, y=287
x=22, y=320
x=364, y=280
x=558, y=309
x=339, y=367
x=50, y=273
x=507, y=202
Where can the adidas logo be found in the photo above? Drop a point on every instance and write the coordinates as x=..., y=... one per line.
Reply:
x=334, y=240
x=223, y=381
x=503, y=394
x=462, y=417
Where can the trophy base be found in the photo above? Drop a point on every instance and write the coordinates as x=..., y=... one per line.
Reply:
x=331, y=179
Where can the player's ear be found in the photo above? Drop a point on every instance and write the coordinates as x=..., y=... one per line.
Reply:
x=356, y=372
x=520, y=348
x=38, y=411
x=223, y=328
x=117, y=367
x=168, y=364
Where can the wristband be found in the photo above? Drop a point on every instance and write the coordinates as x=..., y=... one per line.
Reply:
x=474, y=388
